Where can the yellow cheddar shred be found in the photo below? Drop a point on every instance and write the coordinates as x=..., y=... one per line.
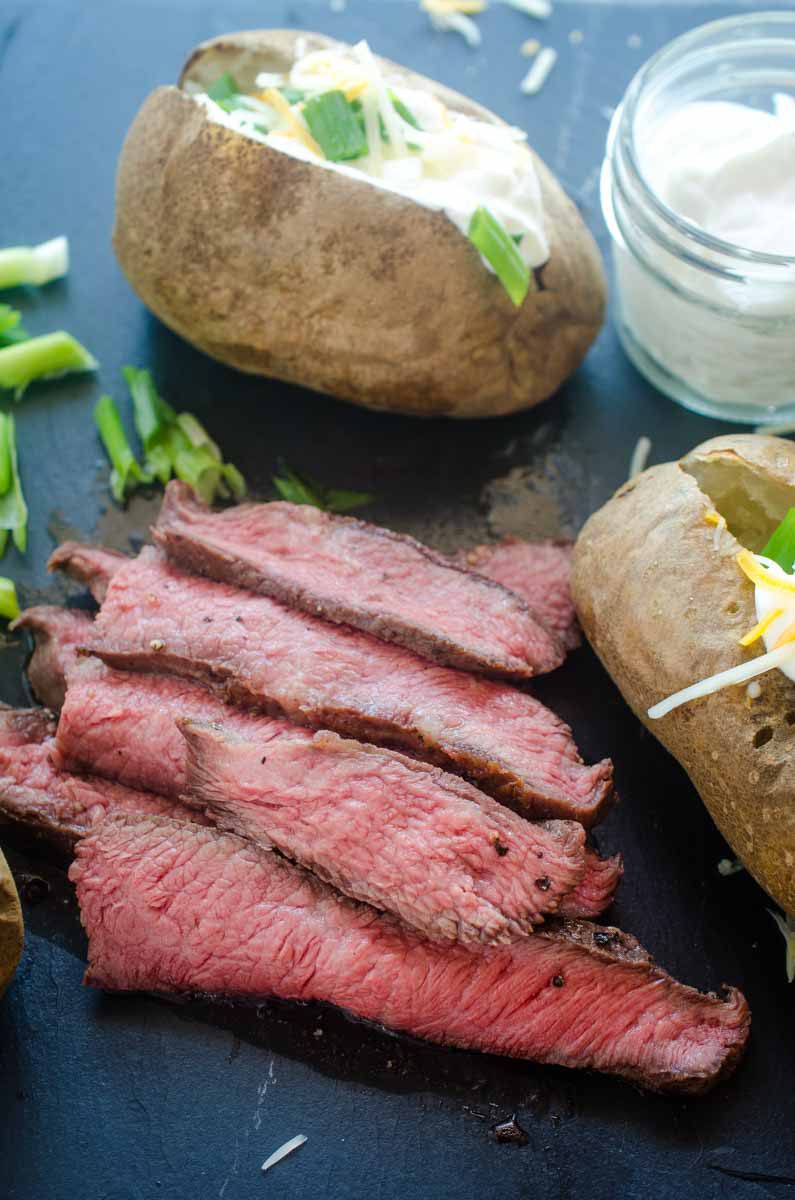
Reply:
x=757, y=574
x=454, y=6
x=294, y=127
x=787, y=636
x=714, y=518
x=761, y=627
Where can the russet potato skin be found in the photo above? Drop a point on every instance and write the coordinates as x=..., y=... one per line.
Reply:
x=663, y=602
x=11, y=927
x=285, y=269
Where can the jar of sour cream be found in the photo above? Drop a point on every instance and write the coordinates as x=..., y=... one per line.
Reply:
x=698, y=190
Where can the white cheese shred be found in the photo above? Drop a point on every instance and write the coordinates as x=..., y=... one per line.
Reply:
x=457, y=22
x=283, y=1151
x=640, y=456
x=729, y=866
x=540, y=9
x=786, y=926
x=539, y=73
x=724, y=679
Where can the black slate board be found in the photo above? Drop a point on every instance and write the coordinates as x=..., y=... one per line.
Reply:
x=129, y=1098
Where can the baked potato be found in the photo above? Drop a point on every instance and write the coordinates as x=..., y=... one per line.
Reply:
x=11, y=927
x=279, y=267
x=664, y=602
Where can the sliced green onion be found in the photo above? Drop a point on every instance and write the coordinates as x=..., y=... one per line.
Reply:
x=292, y=95
x=153, y=418
x=299, y=489
x=781, y=547
x=11, y=332
x=234, y=481
x=403, y=110
x=9, y=605
x=42, y=358
x=35, y=265
x=335, y=126
x=126, y=474
x=13, y=509
x=224, y=87
x=6, y=473
x=501, y=253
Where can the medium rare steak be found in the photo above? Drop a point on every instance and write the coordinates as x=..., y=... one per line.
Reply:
x=401, y=835
x=123, y=725
x=156, y=617
x=57, y=632
x=538, y=572
x=348, y=571
x=94, y=566
x=54, y=803
x=170, y=907
x=597, y=888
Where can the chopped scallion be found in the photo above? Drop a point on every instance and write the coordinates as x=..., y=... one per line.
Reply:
x=153, y=418
x=335, y=126
x=9, y=605
x=42, y=358
x=11, y=332
x=13, y=509
x=300, y=489
x=224, y=87
x=501, y=253
x=403, y=111
x=781, y=547
x=37, y=265
x=126, y=473
x=292, y=95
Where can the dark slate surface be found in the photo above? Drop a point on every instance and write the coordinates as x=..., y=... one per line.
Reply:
x=130, y=1098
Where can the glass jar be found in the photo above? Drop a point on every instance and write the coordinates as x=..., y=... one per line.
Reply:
x=710, y=323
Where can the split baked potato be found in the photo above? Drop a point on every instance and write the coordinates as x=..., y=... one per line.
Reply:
x=279, y=267
x=663, y=601
x=11, y=927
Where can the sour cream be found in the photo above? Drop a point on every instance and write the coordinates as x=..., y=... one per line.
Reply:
x=769, y=600
x=452, y=163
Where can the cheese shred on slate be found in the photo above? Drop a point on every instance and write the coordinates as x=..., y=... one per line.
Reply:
x=283, y=1151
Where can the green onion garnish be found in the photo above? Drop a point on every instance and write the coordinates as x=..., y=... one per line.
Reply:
x=501, y=253
x=13, y=509
x=335, y=127
x=300, y=489
x=292, y=95
x=35, y=265
x=42, y=358
x=781, y=547
x=11, y=332
x=9, y=605
x=223, y=88
x=153, y=418
x=127, y=473
x=403, y=110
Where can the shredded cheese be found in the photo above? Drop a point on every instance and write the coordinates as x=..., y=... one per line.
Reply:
x=539, y=73
x=715, y=683
x=456, y=22
x=640, y=456
x=751, y=565
x=729, y=866
x=294, y=126
x=786, y=927
x=754, y=690
x=283, y=1151
x=453, y=6
x=540, y=9
x=761, y=627
x=530, y=47
x=787, y=637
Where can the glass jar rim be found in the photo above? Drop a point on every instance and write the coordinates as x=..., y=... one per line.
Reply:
x=675, y=49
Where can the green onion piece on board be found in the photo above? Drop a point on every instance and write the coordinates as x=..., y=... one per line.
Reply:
x=781, y=547
x=6, y=473
x=9, y=605
x=223, y=88
x=11, y=332
x=342, y=500
x=299, y=489
x=501, y=253
x=42, y=358
x=13, y=509
x=334, y=125
x=126, y=474
x=37, y=265
x=153, y=419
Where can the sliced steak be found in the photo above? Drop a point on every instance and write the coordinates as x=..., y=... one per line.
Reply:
x=171, y=907
x=539, y=573
x=156, y=617
x=57, y=632
x=93, y=566
x=348, y=571
x=597, y=888
x=24, y=726
x=123, y=725
x=56, y=804
x=401, y=835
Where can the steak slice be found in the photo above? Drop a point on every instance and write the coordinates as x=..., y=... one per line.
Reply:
x=24, y=726
x=353, y=573
x=54, y=803
x=401, y=835
x=123, y=726
x=156, y=617
x=539, y=573
x=93, y=566
x=597, y=888
x=57, y=632
x=170, y=907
